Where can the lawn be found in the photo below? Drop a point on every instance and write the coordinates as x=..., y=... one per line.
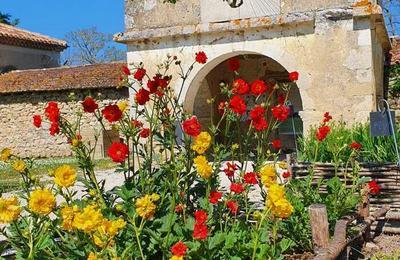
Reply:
x=10, y=179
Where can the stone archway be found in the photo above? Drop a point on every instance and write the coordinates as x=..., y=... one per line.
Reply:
x=253, y=66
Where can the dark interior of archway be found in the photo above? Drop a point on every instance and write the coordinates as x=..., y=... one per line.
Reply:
x=252, y=67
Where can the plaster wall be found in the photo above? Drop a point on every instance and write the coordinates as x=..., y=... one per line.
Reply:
x=26, y=58
x=334, y=59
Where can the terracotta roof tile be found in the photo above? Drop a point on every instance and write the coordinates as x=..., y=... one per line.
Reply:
x=62, y=78
x=11, y=35
x=395, y=52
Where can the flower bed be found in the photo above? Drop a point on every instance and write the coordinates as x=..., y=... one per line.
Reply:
x=171, y=205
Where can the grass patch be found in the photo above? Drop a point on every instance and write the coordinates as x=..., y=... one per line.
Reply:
x=10, y=179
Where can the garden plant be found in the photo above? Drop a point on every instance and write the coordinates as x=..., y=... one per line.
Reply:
x=172, y=204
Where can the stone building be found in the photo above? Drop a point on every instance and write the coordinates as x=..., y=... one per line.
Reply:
x=21, y=49
x=337, y=46
x=24, y=93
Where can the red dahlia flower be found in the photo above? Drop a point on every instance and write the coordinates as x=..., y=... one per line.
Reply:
x=200, y=216
x=355, y=146
x=286, y=174
x=144, y=133
x=293, y=76
x=201, y=57
x=322, y=132
x=277, y=144
x=250, y=178
x=200, y=231
x=260, y=124
x=281, y=99
x=191, y=126
x=52, y=112
x=118, y=152
x=214, y=197
x=139, y=74
x=327, y=117
x=257, y=112
x=126, y=70
x=179, y=249
x=374, y=188
x=232, y=206
x=234, y=64
x=280, y=112
x=54, y=128
x=158, y=84
x=136, y=123
x=142, y=96
x=237, y=188
x=89, y=105
x=112, y=113
x=230, y=169
x=258, y=87
x=238, y=105
x=37, y=121
x=240, y=87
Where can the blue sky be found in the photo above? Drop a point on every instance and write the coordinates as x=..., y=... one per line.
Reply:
x=57, y=17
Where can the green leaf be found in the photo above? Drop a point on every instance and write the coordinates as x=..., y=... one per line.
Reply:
x=230, y=240
x=216, y=240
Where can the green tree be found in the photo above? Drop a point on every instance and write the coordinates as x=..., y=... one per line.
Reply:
x=7, y=19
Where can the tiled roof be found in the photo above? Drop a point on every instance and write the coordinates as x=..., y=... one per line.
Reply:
x=62, y=78
x=395, y=52
x=11, y=35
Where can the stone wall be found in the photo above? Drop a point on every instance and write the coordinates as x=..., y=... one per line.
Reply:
x=339, y=59
x=18, y=133
x=146, y=14
x=26, y=58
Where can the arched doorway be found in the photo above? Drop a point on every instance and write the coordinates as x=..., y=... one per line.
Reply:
x=252, y=67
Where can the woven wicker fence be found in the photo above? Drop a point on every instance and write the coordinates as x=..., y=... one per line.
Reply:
x=387, y=176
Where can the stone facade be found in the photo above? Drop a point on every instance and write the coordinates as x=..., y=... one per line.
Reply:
x=337, y=46
x=18, y=133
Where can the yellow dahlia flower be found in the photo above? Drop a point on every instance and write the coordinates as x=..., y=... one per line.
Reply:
x=145, y=206
x=282, y=208
x=5, y=154
x=277, y=202
x=92, y=256
x=176, y=257
x=268, y=175
x=106, y=231
x=276, y=192
x=19, y=166
x=204, y=169
x=9, y=210
x=68, y=214
x=42, y=201
x=201, y=142
x=123, y=105
x=65, y=176
x=88, y=220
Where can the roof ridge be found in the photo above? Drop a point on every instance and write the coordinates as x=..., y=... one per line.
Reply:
x=66, y=67
x=34, y=33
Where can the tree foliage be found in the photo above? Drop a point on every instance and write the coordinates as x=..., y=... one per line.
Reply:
x=6, y=18
x=391, y=9
x=89, y=46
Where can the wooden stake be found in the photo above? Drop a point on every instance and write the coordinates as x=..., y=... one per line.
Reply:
x=364, y=210
x=319, y=226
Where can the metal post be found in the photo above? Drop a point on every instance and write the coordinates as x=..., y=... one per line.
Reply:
x=387, y=108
